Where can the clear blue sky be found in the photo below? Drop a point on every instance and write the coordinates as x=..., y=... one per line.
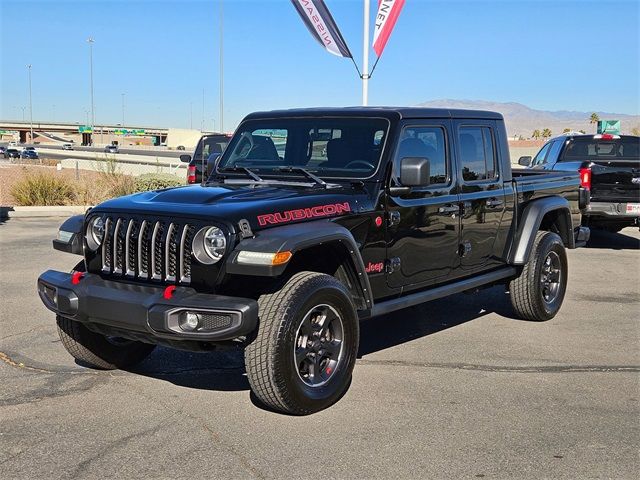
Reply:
x=553, y=55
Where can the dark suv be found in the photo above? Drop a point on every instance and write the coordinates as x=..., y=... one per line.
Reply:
x=209, y=148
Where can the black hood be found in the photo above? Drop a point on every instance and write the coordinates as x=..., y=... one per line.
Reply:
x=262, y=205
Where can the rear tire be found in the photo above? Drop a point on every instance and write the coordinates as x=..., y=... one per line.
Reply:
x=304, y=350
x=97, y=350
x=537, y=293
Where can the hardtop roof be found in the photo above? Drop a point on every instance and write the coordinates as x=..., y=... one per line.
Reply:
x=396, y=113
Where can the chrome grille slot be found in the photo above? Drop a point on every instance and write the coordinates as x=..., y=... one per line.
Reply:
x=118, y=246
x=130, y=248
x=106, y=246
x=156, y=251
x=143, y=250
x=147, y=249
x=185, y=253
x=170, y=250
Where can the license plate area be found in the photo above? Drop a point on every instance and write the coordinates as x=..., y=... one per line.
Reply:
x=633, y=208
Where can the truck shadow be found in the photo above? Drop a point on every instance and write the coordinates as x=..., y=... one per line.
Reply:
x=224, y=370
x=430, y=318
x=613, y=241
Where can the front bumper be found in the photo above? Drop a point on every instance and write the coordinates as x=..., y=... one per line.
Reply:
x=609, y=209
x=143, y=311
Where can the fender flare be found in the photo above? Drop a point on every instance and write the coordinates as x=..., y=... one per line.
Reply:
x=74, y=225
x=530, y=223
x=295, y=238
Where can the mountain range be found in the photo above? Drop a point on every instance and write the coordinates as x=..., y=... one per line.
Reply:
x=522, y=120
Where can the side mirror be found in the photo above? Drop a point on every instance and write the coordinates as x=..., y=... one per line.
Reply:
x=415, y=172
x=185, y=158
x=524, y=161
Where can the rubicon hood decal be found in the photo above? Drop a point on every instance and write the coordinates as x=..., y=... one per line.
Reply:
x=302, y=213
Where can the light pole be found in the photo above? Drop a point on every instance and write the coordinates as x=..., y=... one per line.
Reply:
x=221, y=69
x=23, y=109
x=86, y=112
x=365, y=55
x=90, y=41
x=30, y=103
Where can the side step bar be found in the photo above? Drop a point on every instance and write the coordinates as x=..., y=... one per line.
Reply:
x=412, y=299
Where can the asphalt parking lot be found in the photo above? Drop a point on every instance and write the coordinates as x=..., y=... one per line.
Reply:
x=457, y=388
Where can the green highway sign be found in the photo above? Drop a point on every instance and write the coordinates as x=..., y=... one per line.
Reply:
x=609, y=126
x=138, y=131
x=121, y=131
x=85, y=129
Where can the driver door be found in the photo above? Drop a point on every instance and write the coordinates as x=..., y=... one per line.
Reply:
x=424, y=226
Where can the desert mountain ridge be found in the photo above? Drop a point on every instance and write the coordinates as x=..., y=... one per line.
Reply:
x=523, y=120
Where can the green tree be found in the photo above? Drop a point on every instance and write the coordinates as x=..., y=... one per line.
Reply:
x=566, y=130
x=635, y=131
x=594, y=118
x=536, y=134
x=546, y=133
x=582, y=131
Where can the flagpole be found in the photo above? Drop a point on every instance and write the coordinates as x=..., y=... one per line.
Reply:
x=365, y=55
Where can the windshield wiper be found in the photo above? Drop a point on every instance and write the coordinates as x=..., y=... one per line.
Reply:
x=304, y=171
x=237, y=168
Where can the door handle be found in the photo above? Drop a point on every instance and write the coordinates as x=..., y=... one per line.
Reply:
x=494, y=202
x=449, y=209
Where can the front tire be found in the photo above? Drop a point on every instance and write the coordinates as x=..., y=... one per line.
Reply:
x=99, y=351
x=304, y=350
x=537, y=293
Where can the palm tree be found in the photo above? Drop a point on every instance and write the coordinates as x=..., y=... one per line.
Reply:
x=546, y=133
x=536, y=134
x=594, y=118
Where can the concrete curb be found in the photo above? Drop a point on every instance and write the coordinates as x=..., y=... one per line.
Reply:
x=33, y=212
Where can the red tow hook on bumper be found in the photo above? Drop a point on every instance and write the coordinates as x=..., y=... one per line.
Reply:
x=168, y=292
x=76, y=277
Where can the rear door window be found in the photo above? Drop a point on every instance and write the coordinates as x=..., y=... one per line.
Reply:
x=477, y=154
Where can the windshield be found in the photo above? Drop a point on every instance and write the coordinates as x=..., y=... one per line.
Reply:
x=588, y=148
x=327, y=147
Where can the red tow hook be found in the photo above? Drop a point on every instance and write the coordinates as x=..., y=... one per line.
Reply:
x=76, y=277
x=168, y=292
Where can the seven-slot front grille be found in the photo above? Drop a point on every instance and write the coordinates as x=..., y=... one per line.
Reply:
x=147, y=250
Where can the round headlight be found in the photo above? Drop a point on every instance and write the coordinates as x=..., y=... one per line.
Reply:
x=95, y=233
x=209, y=245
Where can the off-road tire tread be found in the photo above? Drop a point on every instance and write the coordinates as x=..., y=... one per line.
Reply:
x=82, y=345
x=523, y=289
x=260, y=353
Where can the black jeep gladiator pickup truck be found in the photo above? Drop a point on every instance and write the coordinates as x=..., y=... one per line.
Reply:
x=310, y=221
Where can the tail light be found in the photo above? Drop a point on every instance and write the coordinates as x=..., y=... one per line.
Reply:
x=191, y=174
x=585, y=178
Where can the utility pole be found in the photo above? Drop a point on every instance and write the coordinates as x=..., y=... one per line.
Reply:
x=30, y=103
x=90, y=40
x=221, y=69
x=365, y=55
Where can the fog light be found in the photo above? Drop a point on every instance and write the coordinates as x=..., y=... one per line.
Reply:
x=190, y=321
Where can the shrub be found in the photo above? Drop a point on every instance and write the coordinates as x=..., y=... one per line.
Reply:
x=43, y=189
x=156, y=181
